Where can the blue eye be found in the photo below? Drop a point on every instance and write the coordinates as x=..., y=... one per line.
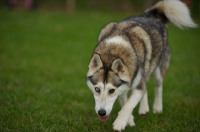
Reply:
x=97, y=90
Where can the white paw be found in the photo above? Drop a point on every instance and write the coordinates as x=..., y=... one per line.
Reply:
x=157, y=107
x=131, y=121
x=144, y=109
x=119, y=124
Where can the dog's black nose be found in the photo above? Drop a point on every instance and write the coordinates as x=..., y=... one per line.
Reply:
x=102, y=112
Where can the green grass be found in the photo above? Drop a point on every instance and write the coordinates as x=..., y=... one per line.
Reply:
x=43, y=63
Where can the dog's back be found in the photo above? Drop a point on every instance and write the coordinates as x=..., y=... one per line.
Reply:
x=147, y=35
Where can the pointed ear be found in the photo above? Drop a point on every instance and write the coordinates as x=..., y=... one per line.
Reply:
x=95, y=64
x=118, y=66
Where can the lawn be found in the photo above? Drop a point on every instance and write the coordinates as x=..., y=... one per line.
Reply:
x=43, y=63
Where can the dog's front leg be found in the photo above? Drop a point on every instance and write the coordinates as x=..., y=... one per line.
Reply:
x=124, y=114
x=122, y=101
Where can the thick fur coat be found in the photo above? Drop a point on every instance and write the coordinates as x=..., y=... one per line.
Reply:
x=127, y=54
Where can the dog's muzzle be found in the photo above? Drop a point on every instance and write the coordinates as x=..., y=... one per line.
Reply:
x=102, y=115
x=102, y=112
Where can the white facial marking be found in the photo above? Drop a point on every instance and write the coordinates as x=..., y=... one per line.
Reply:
x=104, y=100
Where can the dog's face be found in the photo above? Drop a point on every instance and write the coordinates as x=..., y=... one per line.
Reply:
x=106, y=84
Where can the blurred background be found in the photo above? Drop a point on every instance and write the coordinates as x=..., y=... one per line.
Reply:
x=73, y=5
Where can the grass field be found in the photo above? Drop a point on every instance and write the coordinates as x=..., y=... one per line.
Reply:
x=43, y=63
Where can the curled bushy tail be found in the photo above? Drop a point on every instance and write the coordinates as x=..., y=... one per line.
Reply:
x=173, y=11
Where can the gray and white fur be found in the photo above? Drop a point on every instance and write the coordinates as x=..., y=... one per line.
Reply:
x=127, y=54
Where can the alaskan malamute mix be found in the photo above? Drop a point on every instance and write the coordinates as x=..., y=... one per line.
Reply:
x=127, y=53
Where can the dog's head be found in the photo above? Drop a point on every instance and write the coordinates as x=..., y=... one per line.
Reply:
x=106, y=83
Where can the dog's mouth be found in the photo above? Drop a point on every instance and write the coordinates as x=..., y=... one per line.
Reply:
x=103, y=118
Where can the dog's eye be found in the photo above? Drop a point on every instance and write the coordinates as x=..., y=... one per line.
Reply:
x=111, y=91
x=97, y=90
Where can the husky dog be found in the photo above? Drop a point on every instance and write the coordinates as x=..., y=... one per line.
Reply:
x=127, y=54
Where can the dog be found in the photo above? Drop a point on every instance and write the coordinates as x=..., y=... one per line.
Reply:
x=127, y=54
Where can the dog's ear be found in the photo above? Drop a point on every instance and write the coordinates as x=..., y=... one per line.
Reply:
x=95, y=64
x=118, y=66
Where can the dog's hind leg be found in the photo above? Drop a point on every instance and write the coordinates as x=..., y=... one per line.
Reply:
x=158, y=75
x=122, y=101
x=157, y=106
x=144, y=106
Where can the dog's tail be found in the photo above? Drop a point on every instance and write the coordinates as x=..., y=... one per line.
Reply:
x=173, y=11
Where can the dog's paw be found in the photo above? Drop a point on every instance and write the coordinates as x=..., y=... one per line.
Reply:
x=131, y=121
x=157, y=108
x=143, y=110
x=119, y=125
